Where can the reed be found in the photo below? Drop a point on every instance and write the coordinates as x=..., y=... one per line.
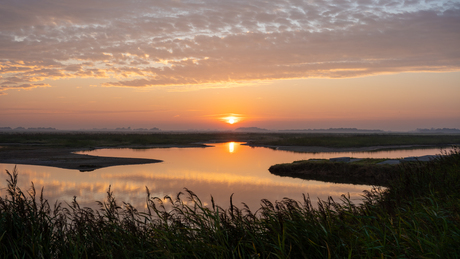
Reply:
x=418, y=215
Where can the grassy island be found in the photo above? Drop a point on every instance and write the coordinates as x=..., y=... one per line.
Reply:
x=417, y=216
x=364, y=171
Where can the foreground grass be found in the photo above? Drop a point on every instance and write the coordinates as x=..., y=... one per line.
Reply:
x=89, y=140
x=417, y=216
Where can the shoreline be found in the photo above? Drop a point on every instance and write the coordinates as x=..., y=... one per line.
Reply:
x=45, y=155
x=319, y=149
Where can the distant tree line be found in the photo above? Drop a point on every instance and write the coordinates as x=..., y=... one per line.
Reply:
x=94, y=129
x=439, y=130
x=22, y=128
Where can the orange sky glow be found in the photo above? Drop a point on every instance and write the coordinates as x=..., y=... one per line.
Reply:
x=180, y=65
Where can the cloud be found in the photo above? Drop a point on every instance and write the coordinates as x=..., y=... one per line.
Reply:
x=172, y=43
x=21, y=87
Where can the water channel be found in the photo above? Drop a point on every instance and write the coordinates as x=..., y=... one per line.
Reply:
x=220, y=170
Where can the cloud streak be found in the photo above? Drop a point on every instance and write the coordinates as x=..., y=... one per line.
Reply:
x=174, y=43
x=20, y=87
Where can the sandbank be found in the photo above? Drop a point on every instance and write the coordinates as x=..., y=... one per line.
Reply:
x=64, y=158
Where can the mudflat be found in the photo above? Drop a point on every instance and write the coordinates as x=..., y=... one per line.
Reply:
x=63, y=158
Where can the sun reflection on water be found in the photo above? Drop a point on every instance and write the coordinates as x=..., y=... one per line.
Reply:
x=231, y=147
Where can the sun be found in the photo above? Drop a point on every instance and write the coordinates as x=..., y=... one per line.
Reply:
x=231, y=119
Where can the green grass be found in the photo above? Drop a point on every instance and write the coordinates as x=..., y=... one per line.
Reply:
x=417, y=216
x=79, y=140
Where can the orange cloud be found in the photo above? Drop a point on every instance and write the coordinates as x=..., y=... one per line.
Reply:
x=187, y=44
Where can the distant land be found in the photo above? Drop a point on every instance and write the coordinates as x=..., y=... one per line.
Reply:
x=240, y=129
x=433, y=130
x=332, y=130
x=251, y=129
x=138, y=129
x=30, y=129
x=22, y=129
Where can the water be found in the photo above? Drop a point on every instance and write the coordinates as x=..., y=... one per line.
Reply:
x=219, y=171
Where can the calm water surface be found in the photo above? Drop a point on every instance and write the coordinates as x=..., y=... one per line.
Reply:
x=219, y=171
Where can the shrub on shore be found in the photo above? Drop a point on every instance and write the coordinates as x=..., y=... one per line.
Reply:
x=417, y=216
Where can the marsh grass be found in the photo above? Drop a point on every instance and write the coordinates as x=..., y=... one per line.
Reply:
x=105, y=139
x=369, y=161
x=365, y=171
x=359, y=140
x=417, y=216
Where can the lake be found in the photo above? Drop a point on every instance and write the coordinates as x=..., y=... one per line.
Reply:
x=220, y=170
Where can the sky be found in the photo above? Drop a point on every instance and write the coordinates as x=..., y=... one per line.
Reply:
x=179, y=64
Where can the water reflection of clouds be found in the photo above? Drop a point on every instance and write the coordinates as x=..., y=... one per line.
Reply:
x=132, y=190
x=188, y=175
x=206, y=171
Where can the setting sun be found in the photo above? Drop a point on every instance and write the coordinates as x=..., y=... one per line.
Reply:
x=232, y=119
